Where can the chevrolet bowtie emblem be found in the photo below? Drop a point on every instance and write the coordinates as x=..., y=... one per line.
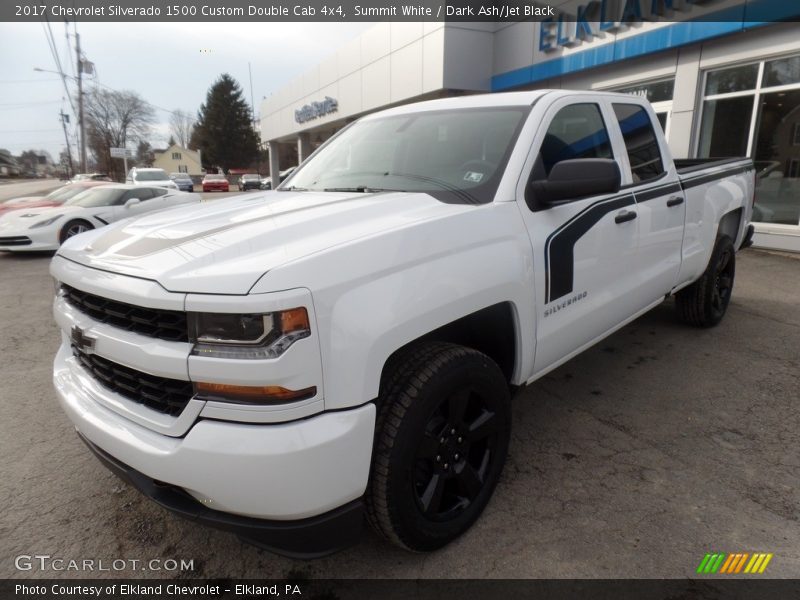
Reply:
x=81, y=341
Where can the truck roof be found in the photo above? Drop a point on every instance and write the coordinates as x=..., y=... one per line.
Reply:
x=490, y=100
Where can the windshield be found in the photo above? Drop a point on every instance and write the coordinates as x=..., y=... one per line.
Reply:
x=251, y=177
x=454, y=155
x=158, y=175
x=65, y=193
x=101, y=196
x=215, y=177
x=179, y=176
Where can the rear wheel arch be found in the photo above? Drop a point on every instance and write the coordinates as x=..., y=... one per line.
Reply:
x=730, y=224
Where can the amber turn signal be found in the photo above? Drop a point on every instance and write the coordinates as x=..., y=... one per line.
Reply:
x=295, y=319
x=261, y=394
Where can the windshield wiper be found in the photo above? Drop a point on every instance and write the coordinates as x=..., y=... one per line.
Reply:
x=362, y=189
x=292, y=188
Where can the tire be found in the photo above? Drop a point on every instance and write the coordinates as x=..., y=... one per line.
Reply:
x=704, y=303
x=431, y=478
x=73, y=228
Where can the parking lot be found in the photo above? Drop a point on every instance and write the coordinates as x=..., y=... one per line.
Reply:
x=656, y=446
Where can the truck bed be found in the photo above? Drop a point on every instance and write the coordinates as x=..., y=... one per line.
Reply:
x=689, y=166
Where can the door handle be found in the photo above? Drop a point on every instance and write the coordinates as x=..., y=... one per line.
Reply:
x=675, y=201
x=624, y=216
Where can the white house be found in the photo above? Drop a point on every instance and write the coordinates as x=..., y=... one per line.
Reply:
x=177, y=159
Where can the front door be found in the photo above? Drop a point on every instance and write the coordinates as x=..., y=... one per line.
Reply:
x=584, y=250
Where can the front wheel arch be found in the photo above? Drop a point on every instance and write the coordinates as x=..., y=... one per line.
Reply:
x=73, y=227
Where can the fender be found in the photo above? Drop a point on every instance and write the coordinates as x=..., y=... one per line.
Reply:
x=707, y=205
x=377, y=294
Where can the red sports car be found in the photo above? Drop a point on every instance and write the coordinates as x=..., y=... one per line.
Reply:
x=54, y=198
x=214, y=182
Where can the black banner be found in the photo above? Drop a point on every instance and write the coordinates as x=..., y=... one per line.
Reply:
x=744, y=588
x=609, y=12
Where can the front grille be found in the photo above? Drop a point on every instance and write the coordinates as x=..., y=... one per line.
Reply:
x=167, y=325
x=17, y=240
x=168, y=396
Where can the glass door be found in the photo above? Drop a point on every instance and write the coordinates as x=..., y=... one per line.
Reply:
x=754, y=110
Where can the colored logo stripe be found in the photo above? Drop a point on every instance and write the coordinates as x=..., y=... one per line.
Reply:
x=734, y=563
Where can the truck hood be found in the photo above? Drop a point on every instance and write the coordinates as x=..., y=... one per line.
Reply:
x=225, y=246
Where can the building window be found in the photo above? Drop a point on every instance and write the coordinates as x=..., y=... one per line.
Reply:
x=656, y=91
x=752, y=110
x=183, y=169
x=176, y=156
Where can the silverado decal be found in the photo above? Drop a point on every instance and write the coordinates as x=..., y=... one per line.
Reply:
x=565, y=303
x=558, y=249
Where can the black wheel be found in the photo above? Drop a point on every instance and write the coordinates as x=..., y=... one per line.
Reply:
x=442, y=436
x=73, y=228
x=703, y=304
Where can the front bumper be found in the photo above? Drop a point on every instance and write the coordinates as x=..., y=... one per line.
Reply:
x=307, y=538
x=282, y=471
x=29, y=240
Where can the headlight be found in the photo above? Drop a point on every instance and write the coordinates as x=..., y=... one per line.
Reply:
x=49, y=221
x=248, y=336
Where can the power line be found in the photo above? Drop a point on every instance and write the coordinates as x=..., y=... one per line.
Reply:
x=48, y=34
x=5, y=81
x=23, y=106
x=30, y=103
x=26, y=130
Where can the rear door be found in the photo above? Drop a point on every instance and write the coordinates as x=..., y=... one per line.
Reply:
x=584, y=249
x=648, y=172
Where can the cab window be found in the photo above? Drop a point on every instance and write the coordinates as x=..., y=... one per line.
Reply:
x=140, y=193
x=577, y=131
x=641, y=142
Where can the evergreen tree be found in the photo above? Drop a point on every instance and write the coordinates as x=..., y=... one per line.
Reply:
x=224, y=131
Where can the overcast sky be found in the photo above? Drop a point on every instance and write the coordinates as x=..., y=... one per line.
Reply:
x=162, y=62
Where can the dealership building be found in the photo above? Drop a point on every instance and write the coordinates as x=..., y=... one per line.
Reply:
x=722, y=76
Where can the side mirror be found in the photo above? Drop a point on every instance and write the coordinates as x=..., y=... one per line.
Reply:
x=132, y=202
x=576, y=178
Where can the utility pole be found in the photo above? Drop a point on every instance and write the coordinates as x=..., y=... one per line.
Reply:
x=64, y=121
x=80, y=101
x=253, y=108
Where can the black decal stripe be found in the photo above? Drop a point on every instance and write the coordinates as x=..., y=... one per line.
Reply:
x=560, y=245
x=695, y=181
x=102, y=221
x=657, y=192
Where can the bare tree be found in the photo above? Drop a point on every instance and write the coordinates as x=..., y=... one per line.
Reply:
x=181, y=124
x=112, y=120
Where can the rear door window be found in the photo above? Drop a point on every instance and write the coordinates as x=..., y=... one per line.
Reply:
x=641, y=142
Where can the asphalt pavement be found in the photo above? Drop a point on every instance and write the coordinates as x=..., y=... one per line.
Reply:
x=658, y=445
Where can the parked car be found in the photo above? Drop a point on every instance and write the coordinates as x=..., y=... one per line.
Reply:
x=48, y=227
x=90, y=177
x=184, y=182
x=266, y=182
x=54, y=198
x=249, y=182
x=215, y=182
x=150, y=177
x=363, y=328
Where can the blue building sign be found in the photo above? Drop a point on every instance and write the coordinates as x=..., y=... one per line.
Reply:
x=599, y=16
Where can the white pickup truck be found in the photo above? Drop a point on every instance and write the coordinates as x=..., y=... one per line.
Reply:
x=282, y=364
